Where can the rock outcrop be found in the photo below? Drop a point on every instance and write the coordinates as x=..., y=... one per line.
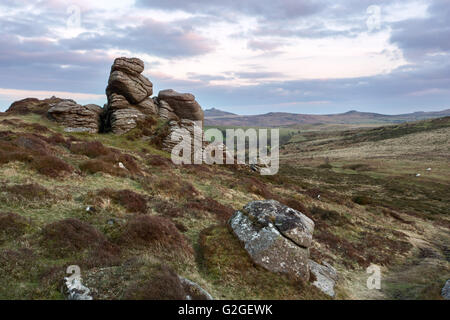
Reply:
x=76, y=118
x=126, y=79
x=73, y=289
x=275, y=236
x=446, y=290
x=326, y=277
x=184, y=115
x=128, y=95
x=33, y=105
x=129, y=102
x=129, y=105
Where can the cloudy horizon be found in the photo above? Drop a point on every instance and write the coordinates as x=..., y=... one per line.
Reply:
x=245, y=57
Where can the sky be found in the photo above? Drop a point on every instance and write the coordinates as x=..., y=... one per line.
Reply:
x=246, y=57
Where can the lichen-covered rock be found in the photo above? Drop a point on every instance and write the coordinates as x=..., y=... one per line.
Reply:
x=76, y=118
x=275, y=236
x=446, y=290
x=73, y=289
x=183, y=105
x=293, y=224
x=326, y=277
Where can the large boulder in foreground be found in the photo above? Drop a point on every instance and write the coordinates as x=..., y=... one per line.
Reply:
x=76, y=118
x=275, y=236
x=183, y=105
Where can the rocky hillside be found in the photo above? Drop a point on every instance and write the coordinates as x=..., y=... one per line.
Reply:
x=95, y=188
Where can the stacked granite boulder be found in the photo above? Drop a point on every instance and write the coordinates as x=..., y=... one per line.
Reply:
x=129, y=102
x=128, y=95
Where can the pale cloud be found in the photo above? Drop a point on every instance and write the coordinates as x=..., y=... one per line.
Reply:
x=321, y=50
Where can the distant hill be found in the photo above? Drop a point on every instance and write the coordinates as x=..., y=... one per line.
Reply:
x=213, y=113
x=277, y=119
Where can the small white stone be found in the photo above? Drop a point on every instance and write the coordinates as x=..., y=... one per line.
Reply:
x=429, y=169
x=121, y=166
x=418, y=175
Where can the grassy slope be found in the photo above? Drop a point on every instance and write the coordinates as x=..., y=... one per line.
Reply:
x=379, y=167
x=193, y=198
x=404, y=227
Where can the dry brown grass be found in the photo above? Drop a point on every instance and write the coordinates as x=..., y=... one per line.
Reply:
x=159, y=161
x=256, y=186
x=330, y=217
x=342, y=247
x=220, y=211
x=69, y=236
x=51, y=166
x=14, y=262
x=294, y=204
x=32, y=142
x=130, y=200
x=154, y=232
x=12, y=225
x=175, y=187
x=164, y=285
x=104, y=159
x=91, y=149
x=58, y=139
x=95, y=166
x=31, y=149
x=28, y=192
x=168, y=209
